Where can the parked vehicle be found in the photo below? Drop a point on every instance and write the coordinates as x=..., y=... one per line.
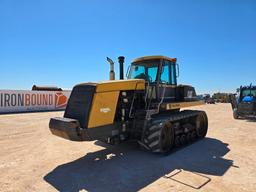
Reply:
x=244, y=102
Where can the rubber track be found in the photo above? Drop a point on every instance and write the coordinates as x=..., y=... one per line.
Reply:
x=151, y=141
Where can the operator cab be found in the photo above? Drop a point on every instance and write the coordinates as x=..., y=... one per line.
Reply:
x=154, y=70
x=160, y=74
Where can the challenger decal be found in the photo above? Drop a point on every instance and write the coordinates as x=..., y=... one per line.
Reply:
x=105, y=110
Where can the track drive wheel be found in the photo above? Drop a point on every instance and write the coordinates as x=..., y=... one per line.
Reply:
x=160, y=138
x=201, y=124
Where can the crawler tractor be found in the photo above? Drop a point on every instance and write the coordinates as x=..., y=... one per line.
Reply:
x=147, y=108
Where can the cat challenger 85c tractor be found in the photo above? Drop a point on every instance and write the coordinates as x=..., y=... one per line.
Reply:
x=147, y=108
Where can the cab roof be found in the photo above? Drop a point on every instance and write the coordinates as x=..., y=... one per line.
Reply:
x=248, y=87
x=154, y=57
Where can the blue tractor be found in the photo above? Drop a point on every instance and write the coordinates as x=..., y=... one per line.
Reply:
x=244, y=102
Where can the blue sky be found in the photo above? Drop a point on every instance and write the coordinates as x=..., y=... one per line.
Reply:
x=63, y=43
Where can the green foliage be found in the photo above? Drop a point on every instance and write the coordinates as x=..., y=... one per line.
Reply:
x=222, y=97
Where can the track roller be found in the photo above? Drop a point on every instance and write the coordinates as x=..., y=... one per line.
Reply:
x=177, y=141
x=183, y=140
x=188, y=137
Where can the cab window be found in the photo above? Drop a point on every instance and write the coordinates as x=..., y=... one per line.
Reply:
x=248, y=92
x=165, y=75
x=145, y=70
x=137, y=70
x=168, y=73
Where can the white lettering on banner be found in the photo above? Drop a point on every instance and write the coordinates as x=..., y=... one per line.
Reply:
x=21, y=101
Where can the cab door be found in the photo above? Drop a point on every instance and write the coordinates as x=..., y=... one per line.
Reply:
x=167, y=81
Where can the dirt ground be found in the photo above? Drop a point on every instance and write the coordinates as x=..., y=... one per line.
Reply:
x=31, y=159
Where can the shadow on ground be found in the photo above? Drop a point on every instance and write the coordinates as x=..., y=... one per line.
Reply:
x=251, y=119
x=248, y=119
x=130, y=169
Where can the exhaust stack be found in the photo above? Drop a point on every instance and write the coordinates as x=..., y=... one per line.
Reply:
x=112, y=71
x=121, y=66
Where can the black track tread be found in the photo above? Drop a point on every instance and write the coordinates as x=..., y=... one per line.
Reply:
x=152, y=140
x=205, y=125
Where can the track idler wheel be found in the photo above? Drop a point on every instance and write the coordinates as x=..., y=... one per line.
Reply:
x=201, y=124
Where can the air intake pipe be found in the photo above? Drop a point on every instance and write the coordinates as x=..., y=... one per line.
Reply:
x=121, y=66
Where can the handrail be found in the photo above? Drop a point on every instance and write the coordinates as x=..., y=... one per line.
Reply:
x=130, y=112
x=150, y=99
x=148, y=106
x=162, y=99
x=146, y=95
x=159, y=104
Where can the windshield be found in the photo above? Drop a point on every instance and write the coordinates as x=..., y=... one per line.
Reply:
x=145, y=70
x=248, y=92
